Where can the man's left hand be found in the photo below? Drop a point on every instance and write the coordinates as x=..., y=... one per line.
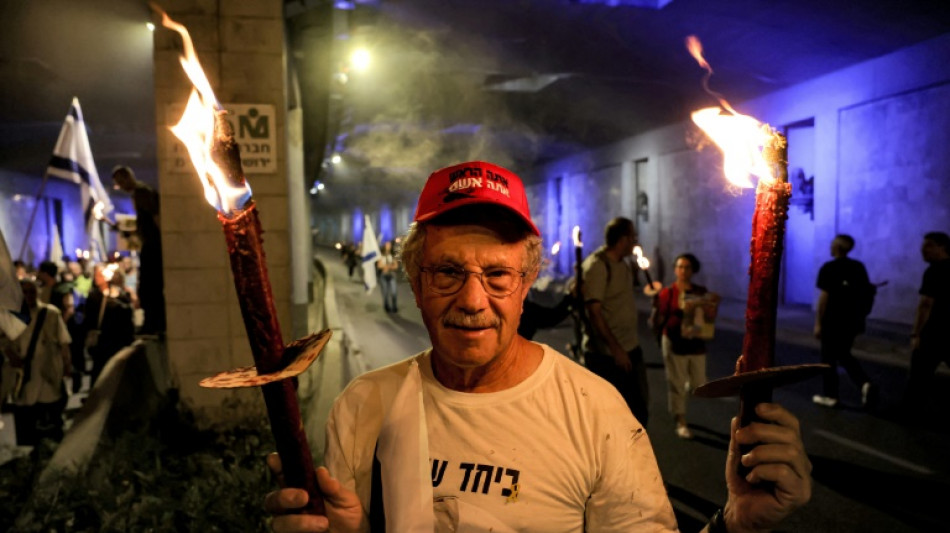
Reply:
x=780, y=478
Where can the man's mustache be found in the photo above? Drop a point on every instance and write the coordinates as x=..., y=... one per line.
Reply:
x=468, y=321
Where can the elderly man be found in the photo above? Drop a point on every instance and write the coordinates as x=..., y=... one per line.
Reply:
x=516, y=436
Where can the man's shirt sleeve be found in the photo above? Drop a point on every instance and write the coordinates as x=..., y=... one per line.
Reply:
x=595, y=280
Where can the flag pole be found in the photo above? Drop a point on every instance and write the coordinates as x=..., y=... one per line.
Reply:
x=36, y=205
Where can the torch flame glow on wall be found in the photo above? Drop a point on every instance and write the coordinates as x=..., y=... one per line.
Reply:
x=195, y=129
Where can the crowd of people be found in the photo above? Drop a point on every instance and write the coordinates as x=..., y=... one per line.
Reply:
x=77, y=315
x=387, y=268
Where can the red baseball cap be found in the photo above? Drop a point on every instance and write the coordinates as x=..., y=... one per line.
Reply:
x=475, y=182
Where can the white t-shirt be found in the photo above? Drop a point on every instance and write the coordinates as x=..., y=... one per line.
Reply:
x=556, y=453
x=612, y=286
x=46, y=371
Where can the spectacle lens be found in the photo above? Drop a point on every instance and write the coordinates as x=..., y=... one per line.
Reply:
x=446, y=280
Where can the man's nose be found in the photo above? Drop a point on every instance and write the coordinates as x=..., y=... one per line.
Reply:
x=472, y=296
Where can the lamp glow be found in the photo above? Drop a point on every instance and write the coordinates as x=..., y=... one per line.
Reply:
x=360, y=59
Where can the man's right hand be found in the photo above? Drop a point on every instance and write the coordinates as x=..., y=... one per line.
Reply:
x=343, y=508
x=622, y=359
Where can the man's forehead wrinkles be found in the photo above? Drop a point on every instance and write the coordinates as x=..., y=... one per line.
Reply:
x=483, y=261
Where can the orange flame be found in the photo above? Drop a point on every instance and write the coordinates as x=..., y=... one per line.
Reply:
x=108, y=272
x=642, y=260
x=576, y=236
x=740, y=137
x=195, y=129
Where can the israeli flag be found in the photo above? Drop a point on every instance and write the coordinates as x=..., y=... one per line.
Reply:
x=72, y=160
x=370, y=253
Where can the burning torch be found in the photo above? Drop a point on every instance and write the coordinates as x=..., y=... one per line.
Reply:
x=644, y=263
x=752, y=148
x=208, y=136
x=578, y=293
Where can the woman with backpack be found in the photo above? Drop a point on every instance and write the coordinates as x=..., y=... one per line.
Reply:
x=682, y=315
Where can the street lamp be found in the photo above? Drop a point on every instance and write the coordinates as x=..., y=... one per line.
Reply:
x=359, y=59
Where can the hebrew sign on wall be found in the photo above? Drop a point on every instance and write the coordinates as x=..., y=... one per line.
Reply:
x=254, y=130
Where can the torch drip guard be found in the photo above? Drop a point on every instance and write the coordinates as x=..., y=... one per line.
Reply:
x=776, y=376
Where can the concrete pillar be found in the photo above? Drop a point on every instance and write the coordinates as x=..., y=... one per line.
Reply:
x=301, y=250
x=241, y=48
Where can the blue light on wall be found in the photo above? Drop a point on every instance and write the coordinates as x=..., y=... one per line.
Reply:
x=385, y=223
x=357, y=225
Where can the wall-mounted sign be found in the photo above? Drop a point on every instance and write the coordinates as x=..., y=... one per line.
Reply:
x=254, y=132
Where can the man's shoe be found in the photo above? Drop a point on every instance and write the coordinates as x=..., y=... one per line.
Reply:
x=824, y=400
x=683, y=432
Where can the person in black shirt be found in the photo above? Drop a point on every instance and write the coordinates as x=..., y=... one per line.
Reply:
x=151, y=289
x=840, y=319
x=930, y=338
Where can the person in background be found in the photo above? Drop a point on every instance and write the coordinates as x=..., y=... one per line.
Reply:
x=131, y=279
x=351, y=258
x=151, y=289
x=555, y=447
x=47, y=275
x=20, y=269
x=42, y=353
x=930, y=336
x=388, y=267
x=611, y=340
x=64, y=299
x=82, y=283
x=684, y=350
x=839, y=319
x=536, y=316
x=108, y=322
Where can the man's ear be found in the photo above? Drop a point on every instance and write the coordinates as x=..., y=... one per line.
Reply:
x=529, y=278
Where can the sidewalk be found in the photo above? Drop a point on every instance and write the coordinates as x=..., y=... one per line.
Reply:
x=882, y=342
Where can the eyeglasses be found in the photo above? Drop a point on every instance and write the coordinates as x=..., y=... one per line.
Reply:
x=446, y=280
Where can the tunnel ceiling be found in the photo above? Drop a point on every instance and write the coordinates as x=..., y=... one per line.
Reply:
x=516, y=81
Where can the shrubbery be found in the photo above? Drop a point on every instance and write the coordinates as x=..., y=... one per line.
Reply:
x=166, y=476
